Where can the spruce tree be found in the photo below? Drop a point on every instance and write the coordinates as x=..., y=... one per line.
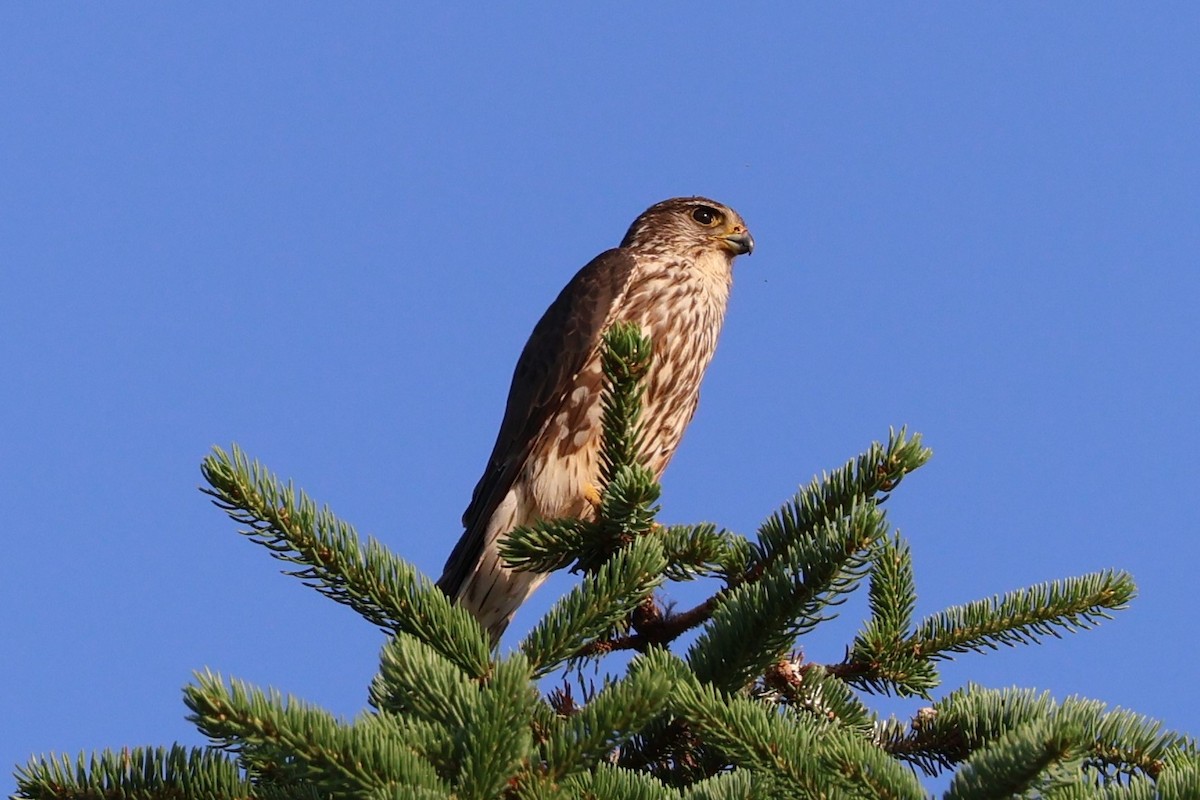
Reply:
x=733, y=714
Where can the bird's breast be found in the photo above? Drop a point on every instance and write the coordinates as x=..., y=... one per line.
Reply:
x=681, y=308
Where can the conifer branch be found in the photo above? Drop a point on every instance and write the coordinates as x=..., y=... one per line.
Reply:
x=1179, y=776
x=860, y=483
x=863, y=770
x=878, y=662
x=739, y=718
x=495, y=741
x=755, y=623
x=610, y=718
x=547, y=545
x=295, y=744
x=739, y=785
x=415, y=680
x=627, y=509
x=608, y=782
x=1023, y=616
x=1037, y=756
x=892, y=596
x=695, y=551
x=882, y=661
x=136, y=773
x=628, y=490
x=816, y=572
x=806, y=757
x=751, y=736
x=625, y=359
x=811, y=689
x=625, y=512
x=666, y=746
x=1123, y=742
x=383, y=588
x=1117, y=743
x=605, y=598
x=931, y=749
x=535, y=786
x=869, y=477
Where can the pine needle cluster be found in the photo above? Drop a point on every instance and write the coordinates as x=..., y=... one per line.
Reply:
x=734, y=714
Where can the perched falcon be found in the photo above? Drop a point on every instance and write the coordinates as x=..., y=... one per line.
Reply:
x=671, y=275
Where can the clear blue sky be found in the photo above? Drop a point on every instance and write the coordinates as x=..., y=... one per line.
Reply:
x=324, y=232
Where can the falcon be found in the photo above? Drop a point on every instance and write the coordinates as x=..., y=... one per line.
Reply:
x=670, y=275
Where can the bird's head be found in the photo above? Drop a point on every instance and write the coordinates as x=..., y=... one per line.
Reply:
x=690, y=224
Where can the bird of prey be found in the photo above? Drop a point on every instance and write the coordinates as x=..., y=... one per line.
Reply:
x=670, y=275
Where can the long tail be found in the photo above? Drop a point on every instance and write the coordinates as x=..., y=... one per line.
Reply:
x=476, y=578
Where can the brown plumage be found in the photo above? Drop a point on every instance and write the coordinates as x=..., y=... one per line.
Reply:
x=671, y=275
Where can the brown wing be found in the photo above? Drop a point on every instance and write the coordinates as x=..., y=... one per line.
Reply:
x=557, y=350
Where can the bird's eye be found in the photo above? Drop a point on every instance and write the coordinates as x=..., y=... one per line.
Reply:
x=705, y=215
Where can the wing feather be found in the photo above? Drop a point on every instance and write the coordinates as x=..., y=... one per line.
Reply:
x=561, y=344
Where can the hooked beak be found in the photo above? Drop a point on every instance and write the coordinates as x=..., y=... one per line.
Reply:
x=738, y=243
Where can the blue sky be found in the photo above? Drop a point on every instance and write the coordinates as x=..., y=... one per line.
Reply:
x=324, y=232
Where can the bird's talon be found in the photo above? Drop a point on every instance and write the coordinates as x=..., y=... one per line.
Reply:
x=592, y=495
